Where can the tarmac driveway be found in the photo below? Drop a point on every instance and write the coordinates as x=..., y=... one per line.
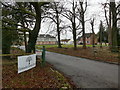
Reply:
x=85, y=73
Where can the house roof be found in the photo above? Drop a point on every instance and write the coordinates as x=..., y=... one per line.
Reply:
x=65, y=40
x=45, y=36
x=86, y=35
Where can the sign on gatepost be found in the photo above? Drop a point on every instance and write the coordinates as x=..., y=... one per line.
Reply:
x=40, y=52
x=26, y=62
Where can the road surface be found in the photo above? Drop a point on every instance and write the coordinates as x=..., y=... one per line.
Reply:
x=85, y=73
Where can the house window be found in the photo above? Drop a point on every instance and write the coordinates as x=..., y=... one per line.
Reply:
x=87, y=41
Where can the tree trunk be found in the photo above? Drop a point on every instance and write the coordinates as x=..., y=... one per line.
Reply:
x=24, y=33
x=58, y=31
x=101, y=38
x=93, y=38
x=114, y=27
x=74, y=28
x=74, y=36
x=34, y=33
x=25, y=41
x=83, y=28
x=59, y=43
x=109, y=27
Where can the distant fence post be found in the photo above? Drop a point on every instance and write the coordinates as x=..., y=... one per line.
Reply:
x=43, y=56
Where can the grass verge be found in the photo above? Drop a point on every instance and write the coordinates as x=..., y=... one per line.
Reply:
x=38, y=77
x=97, y=53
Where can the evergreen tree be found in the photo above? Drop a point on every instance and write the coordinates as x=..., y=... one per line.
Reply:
x=100, y=33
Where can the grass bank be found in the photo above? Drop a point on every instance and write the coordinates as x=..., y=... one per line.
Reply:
x=37, y=77
x=64, y=46
x=97, y=53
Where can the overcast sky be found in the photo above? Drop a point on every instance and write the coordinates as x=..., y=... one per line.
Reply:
x=94, y=9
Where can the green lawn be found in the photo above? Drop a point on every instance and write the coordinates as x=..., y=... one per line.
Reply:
x=68, y=46
x=46, y=46
x=49, y=46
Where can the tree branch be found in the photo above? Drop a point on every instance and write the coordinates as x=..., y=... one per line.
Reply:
x=51, y=18
x=118, y=6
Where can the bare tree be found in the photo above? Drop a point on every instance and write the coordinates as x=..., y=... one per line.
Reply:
x=53, y=13
x=82, y=11
x=23, y=22
x=24, y=16
x=101, y=29
x=112, y=23
x=108, y=21
x=74, y=26
x=114, y=35
x=92, y=25
x=71, y=15
x=34, y=33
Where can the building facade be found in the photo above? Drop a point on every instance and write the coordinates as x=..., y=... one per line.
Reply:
x=64, y=41
x=46, y=39
x=89, y=39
